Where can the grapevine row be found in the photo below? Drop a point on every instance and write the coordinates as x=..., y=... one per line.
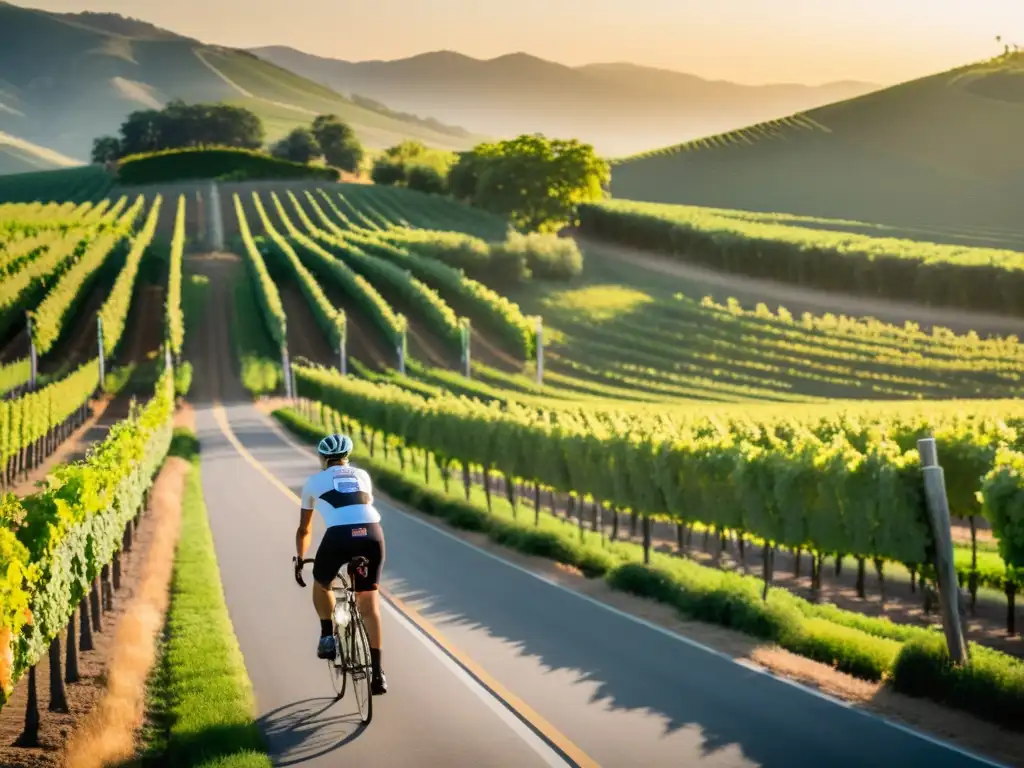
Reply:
x=777, y=482
x=175, y=315
x=48, y=319
x=981, y=279
x=114, y=312
x=327, y=267
x=269, y=299
x=54, y=544
x=331, y=320
x=495, y=311
x=436, y=313
x=34, y=424
x=14, y=375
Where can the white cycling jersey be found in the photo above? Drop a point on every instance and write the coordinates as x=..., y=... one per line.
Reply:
x=343, y=495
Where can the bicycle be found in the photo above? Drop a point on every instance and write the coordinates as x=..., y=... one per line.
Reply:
x=352, y=657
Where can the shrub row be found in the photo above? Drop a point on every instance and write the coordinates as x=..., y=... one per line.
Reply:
x=330, y=319
x=266, y=291
x=981, y=279
x=842, y=486
x=114, y=312
x=175, y=330
x=495, y=312
x=437, y=315
x=54, y=543
x=214, y=163
x=913, y=660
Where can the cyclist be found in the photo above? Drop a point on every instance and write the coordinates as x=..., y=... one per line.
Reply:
x=343, y=495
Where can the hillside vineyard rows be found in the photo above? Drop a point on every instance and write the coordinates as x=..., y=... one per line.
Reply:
x=780, y=431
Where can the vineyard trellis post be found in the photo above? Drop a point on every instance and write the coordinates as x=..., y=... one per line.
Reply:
x=33, y=357
x=99, y=341
x=464, y=328
x=286, y=369
x=540, y=350
x=945, y=567
x=343, y=350
x=402, y=352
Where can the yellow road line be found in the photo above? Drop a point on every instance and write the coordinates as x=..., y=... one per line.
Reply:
x=520, y=708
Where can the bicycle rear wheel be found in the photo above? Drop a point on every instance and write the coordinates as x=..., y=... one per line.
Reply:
x=360, y=667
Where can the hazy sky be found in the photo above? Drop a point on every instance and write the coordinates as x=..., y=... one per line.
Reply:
x=751, y=41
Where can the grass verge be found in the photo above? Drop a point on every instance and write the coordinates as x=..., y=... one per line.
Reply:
x=200, y=700
x=912, y=660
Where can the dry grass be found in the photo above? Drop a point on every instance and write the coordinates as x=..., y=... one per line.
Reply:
x=106, y=735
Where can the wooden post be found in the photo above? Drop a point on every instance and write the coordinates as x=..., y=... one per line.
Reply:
x=945, y=568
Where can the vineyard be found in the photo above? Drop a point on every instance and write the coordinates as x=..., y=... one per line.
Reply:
x=663, y=412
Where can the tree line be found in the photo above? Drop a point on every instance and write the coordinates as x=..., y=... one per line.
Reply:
x=181, y=126
x=536, y=182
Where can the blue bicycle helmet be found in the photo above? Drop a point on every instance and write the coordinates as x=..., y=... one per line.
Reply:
x=334, y=447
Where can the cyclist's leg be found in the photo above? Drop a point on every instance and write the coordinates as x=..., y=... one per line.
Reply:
x=331, y=555
x=365, y=583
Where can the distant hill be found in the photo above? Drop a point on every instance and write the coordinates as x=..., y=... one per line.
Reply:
x=942, y=151
x=620, y=108
x=67, y=78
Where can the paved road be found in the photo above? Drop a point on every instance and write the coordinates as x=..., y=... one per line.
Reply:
x=622, y=692
x=550, y=673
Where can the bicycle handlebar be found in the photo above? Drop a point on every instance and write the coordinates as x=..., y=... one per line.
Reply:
x=355, y=562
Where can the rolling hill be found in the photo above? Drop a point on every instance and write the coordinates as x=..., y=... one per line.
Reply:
x=65, y=79
x=620, y=108
x=942, y=152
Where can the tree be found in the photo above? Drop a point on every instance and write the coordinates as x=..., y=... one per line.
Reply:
x=338, y=143
x=299, y=146
x=425, y=178
x=180, y=125
x=535, y=181
x=106, y=149
x=387, y=171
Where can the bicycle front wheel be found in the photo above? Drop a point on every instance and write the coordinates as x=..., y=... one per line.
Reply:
x=360, y=667
x=337, y=666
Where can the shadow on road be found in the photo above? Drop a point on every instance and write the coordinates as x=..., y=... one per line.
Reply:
x=309, y=729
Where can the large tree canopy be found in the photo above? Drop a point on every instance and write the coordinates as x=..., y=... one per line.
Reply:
x=299, y=146
x=180, y=125
x=338, y=143
x=537, y=182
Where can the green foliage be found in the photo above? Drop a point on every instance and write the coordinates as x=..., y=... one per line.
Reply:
x=546, y=256
x=982, y=279
x=913, y=659
x=299, y=146
x=179, y=125
x=214, y=163
x=183, y=379
x=990, y=686
x=493, y=310
x=73, y=527
x=1003, y=495
x=259, y=362
x=338, y=143
x=114, y=312
x=88, y=182
x=412, y=164
x=14, y=374
x=268, y=298
x=330, y=319
x=535, y=181
x=424, y=178
x=175, y=313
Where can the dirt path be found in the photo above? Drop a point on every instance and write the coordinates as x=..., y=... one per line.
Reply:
x=17, y=347
x=799, y=299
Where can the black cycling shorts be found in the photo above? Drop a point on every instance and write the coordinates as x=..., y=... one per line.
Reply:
x=343, y=542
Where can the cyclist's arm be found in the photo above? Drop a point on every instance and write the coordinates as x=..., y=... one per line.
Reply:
x=304, y=533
